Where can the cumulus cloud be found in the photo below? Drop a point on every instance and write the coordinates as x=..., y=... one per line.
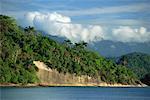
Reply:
x=59, y=25
x=128, y=34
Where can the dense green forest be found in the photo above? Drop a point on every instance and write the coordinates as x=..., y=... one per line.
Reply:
x=139, y=63
x=19, y=47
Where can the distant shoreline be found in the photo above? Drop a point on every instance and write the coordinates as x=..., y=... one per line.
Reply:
x=70, y=85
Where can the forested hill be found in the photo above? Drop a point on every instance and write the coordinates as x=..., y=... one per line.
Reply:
x=139, y=63
x=19, y=47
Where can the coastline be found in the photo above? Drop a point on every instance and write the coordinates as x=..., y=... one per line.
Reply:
x=70, y=85
x=75, y=81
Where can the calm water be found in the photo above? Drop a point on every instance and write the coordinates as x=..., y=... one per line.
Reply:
x=74, y=93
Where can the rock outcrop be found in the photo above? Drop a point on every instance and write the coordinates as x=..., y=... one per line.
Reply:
x=51, y=77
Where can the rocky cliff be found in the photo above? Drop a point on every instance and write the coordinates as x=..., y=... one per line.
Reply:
x=51, y=76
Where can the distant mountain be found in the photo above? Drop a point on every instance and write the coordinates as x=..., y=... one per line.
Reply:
x=116, y=49
x=139, y=63
x=56, y=38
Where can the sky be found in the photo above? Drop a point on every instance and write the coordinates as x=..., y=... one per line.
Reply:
x=84, y=20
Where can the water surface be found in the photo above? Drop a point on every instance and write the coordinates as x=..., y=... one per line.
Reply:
x=74, y=93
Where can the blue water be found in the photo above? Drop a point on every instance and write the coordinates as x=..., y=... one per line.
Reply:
x=74, y=93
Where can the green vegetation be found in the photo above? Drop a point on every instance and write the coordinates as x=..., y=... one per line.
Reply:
x=146, y=79
x=15, y=59
x=139, y=63
x=20, y=47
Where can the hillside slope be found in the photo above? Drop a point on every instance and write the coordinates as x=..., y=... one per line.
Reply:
x=19, y=47
x=139, y=63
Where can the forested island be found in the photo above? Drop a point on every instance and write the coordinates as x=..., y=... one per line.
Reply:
x=20, y=47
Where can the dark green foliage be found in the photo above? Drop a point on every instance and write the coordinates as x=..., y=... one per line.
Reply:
x=15, y=65
x=139, y=63
x=146, y=79
x=20, y=47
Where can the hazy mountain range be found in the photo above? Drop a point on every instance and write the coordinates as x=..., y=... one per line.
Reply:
x=114, y=49
x=111, y=49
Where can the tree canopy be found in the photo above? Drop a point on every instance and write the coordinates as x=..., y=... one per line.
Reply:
x=139, y=63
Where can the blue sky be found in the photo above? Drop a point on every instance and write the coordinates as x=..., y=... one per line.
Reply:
x=85, y=11
x=130, y=13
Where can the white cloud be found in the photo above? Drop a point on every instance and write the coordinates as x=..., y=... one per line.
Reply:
x=58, y=25
x=128, y=34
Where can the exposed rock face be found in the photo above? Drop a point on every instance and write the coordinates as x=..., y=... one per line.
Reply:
x=51, y=77
x=47, y=75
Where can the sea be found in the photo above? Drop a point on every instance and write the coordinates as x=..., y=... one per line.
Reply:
x=74, y=93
